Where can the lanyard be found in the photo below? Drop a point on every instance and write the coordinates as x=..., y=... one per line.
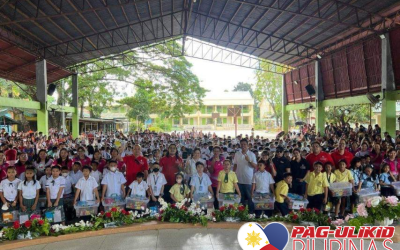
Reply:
x=155, y=180
x=329, y=178
x=200, y=180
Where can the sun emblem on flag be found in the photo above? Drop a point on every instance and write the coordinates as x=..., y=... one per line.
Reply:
x=253, y=239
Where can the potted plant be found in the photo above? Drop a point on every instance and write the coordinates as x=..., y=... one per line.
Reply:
x=309, y=217
x=181, y=212
x=232, y=213
x=27, y=230
x=114, y=218
x=383, y=210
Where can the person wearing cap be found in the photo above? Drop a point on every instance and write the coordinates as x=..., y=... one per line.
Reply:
x=342, y=153
x=318, y=155
x=245, y=163
x=281, y=163
x=316, y=187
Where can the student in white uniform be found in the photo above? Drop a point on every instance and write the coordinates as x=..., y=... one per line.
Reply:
x=200, y=182
x=9, y=189
x=43, y=180
x=156, y=182
x=29, y=191
x=55, y=188
x=113, y=182
x=263, y=183
x=138, y=187
x=86, y=188
x=96, y=174
x=68, y=182
x=76, y=172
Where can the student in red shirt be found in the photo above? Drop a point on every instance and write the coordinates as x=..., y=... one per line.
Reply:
x=171, y=164
x=82, y=158
x=342, y=154
x=11, y=155
x=63, y=160
x=21, y=164
x=3, y=166
x=318, y=155
x=135, y=163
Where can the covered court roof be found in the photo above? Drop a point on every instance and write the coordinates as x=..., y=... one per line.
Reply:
x=291, y=32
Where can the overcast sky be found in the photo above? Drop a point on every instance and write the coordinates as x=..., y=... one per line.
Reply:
x=217, y=77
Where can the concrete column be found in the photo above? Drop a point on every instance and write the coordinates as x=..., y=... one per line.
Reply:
x=285, y=113
x=41, y=94
x=75, y=115
x=388, y=118
x=319, y=97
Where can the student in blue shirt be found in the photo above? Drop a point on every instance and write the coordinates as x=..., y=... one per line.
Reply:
x=369, y=179
x=355, y=166
x=385, y=180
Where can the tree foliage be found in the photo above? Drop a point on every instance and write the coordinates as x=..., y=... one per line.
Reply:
x=171, y=87
x=269, y=88
x=344, y=114
x=244, y=86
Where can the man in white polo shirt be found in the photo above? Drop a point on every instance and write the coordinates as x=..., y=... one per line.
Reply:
x=245, y=163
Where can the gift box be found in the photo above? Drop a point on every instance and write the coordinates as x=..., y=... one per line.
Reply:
x=341, y=189
x=367, y=193
x=296, y=201
x=137, y=202
x=55, y=214
x=86, y=208
x=227, y=199
x=110, y=202
x=10, y=216
x=42, y=202
x=204, y=201
x=263, y=201
x=396, y=186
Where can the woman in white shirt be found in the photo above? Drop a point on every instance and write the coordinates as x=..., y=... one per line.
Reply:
x=41, y=163
x=190, y=166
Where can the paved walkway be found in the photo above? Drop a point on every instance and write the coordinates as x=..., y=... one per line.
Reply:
x=167, y=239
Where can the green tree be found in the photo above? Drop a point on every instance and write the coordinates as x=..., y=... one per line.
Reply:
x=171, y=89
x=344, y=114
x=140, y=104
x=269, y=88
x=244, y=86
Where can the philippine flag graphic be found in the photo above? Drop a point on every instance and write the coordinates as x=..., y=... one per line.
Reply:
x=252, y=236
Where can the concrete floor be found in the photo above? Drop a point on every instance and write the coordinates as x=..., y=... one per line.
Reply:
x=168, y=239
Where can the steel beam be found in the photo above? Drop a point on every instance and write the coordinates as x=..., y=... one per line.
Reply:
x=303, y=13
x=266, y=38
x=19, y=103
x=210, y=52
x=75, y=115
x=41, y=94
x=64, y=10
x=145, y=36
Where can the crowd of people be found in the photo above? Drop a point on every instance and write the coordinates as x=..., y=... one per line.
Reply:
x=180, y=165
